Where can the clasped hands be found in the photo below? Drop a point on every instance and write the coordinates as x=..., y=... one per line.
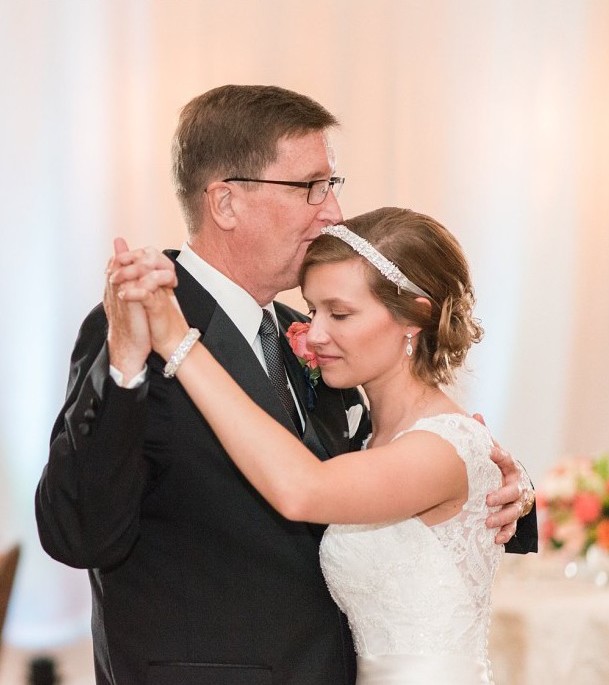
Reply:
x=143, y=315
x=142, y=310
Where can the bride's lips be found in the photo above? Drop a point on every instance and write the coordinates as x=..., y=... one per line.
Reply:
x=325, y=359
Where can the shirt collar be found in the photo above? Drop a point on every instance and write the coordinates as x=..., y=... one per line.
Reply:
x=239, y=305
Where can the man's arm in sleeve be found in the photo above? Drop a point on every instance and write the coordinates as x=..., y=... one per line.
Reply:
x=88, y=498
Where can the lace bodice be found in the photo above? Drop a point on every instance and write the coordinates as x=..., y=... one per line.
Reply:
x=409, y=588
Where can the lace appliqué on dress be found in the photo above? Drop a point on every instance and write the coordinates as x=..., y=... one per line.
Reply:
x=409, y=588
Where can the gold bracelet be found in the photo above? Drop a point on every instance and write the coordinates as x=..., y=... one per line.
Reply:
x=527, y=494
x=527, y=500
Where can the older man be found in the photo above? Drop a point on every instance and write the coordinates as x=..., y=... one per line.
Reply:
x=195, y=579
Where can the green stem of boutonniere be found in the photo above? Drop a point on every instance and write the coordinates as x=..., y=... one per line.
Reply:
x=311, y=377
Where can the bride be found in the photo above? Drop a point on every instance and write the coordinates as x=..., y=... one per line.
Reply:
x=407, y=556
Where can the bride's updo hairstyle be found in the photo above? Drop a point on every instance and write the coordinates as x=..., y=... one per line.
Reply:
x=431, y=258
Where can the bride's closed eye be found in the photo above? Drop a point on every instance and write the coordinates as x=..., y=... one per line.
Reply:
x=337, y=316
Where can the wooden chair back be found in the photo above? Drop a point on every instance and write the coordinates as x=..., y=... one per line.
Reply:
x=8, y=567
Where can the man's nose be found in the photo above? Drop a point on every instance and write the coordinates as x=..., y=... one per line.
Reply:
x=329, y=210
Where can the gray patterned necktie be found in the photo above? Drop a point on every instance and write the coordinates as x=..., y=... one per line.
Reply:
x=274, y=363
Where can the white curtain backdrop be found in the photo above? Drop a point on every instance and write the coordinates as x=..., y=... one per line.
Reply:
x=490, y=115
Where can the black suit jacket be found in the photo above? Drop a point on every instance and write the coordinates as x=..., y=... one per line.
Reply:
x=196, y=580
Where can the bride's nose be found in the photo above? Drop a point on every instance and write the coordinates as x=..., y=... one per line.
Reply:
x=316, y=334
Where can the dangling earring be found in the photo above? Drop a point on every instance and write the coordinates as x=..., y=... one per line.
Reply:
x=409, y=345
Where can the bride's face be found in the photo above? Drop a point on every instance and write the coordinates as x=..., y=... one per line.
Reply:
x=354, y=336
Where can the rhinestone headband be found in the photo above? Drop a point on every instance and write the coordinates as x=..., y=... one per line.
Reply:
x=378, y=261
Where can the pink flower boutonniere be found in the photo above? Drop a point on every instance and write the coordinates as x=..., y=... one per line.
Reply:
x=297, y=337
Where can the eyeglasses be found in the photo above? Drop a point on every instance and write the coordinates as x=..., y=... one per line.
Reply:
x=318, y=190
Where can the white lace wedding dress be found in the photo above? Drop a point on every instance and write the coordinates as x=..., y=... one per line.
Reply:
x=418, y=597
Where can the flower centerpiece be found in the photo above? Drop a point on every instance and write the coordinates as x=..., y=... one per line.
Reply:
x=297, y=337
x=574, y=504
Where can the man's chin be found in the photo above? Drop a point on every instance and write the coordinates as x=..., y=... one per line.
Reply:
x=290, y=282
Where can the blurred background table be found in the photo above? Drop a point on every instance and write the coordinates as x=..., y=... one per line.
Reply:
x=548, y=629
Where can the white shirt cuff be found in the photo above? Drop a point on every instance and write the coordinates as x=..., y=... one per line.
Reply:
x=135, y=382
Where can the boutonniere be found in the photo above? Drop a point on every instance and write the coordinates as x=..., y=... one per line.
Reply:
x=297, y=337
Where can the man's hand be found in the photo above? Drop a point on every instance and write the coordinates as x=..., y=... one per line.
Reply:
x=510, y=497
x=507, y=497
x=128, y=336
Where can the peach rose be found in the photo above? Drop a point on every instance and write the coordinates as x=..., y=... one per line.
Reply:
x=297, y=337
x=587, y=507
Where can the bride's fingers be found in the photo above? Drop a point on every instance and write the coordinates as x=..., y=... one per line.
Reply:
x=138, y=262
x=136, y=290
x=129, y=256
x=167, y=277
x=140, y=269
x=140, y=255
x=153, y=301
x=130, y=292
x=147, y=257
x=161, y=278
x=123, y=274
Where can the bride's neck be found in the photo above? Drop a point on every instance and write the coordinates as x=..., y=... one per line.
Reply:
x=396, y=404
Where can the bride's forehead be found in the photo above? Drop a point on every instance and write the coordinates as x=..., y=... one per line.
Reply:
x=348, y=271
x=345, y=280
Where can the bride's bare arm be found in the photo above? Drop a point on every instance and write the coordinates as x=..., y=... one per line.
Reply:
x=378, y=485
x=406, y=477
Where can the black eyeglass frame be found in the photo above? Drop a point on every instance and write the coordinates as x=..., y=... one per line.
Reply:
x=332, y=181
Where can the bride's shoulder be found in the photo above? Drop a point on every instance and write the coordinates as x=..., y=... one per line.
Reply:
x=461, y=430
x=453, y=419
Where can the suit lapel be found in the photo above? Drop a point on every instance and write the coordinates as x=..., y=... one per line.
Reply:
x=230, y=348
x=326, y=430
x=224, y=340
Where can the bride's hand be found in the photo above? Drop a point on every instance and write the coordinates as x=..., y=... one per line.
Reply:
x=144, y=269
x=147, y=276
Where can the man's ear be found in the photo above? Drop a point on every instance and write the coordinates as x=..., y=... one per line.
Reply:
x=220, y=198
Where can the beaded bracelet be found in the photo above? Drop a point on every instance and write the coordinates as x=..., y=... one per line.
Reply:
x=180, y=352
